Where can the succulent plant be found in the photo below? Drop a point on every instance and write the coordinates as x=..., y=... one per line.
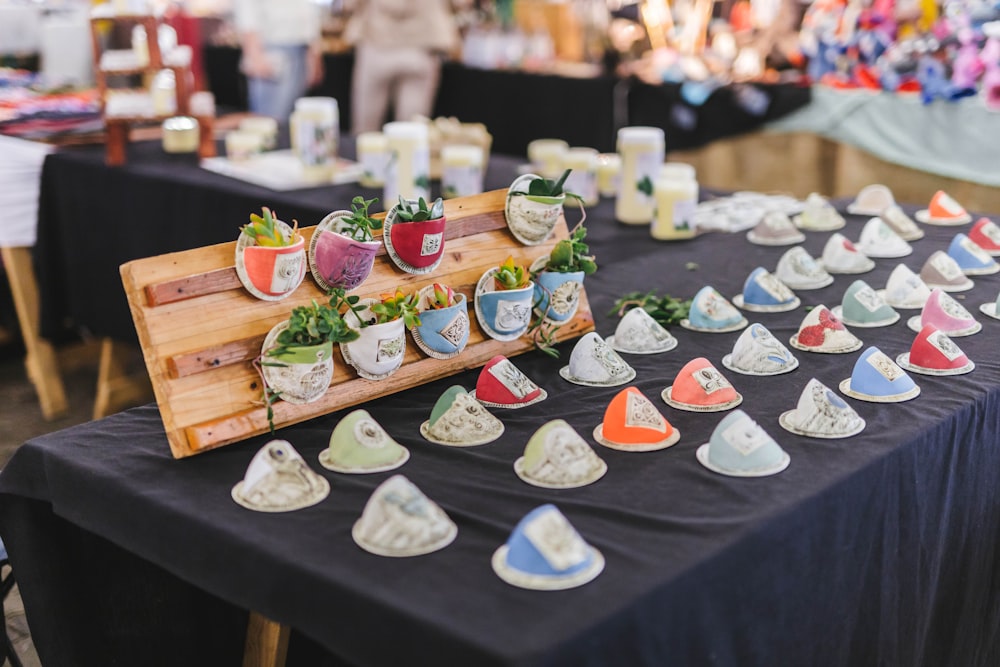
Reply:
x=265, y=232
x=396, y=305
x=510, y=276
x=570, y=254
x=441, y=296
x=418, y=212
x=313, y=325
x=359, y=225
x=547, y=188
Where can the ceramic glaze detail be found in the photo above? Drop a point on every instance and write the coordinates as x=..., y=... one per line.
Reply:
x=278, y=480
x=456, y=329
x=944, y=345
x=711, y=380
x=369, y=433
x=641, y=413
x=431, y=244
x=512, y=314
x=399, y=520
x=390, y=348
x=465, y=422
x=557, y=541
x=565, y=298
x=885, y=366
x=745, y=436
x=566, y=459
x=511, y=377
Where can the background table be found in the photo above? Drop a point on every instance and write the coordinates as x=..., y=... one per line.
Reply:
x=880, y=549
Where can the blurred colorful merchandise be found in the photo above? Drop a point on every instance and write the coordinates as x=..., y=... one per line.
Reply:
x=29, y=112
x=944, y=52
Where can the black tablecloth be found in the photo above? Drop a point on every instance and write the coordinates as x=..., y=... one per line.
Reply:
x=880, y=549
x=519, y=106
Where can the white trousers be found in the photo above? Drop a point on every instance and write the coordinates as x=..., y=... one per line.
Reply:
x=407, y=77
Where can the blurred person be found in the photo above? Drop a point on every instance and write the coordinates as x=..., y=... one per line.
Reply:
x=282, y=52
x=398, y=49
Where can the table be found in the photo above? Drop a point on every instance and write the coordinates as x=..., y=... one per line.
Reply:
x=519, y=106
x=880, y=549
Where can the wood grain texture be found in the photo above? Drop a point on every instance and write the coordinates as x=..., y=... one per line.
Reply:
x=199, y=348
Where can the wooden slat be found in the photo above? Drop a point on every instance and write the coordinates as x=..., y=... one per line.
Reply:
x=198, y=349
x=183, y=365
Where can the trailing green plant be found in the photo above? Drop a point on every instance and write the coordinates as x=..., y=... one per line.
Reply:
x=315, y=324
x=359, y=225
x=666, y=310
x=543, y=335
x=509, y=276
x=419, y=211
x=571, y=254
x=441, y=296
x=264, y=230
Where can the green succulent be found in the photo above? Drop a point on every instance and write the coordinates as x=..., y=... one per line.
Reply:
x=510, y=276
x=264, y=230
x=570, y=254
x=359, y=224
x=419, y=211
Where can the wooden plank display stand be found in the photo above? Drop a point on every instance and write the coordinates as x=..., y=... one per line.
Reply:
x=200, y=330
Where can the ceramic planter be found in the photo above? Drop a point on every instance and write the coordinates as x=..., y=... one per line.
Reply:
x=336, y=260
x=557, y=294
x=503, y=315
x=378, y=351
x=442, y=332
x=415, y=247
x=271, y=273
x=300, y=375
x=531, y=219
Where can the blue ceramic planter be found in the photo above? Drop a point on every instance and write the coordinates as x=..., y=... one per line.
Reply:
x=557, y=294
x=443, y=333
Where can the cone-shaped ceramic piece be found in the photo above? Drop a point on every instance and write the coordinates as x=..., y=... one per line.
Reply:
x=871, y=200
x=945, y=314
x=905, y=289
x=943, y=210
x=901, y=223
x=842, y=256
x=501, y=384
x=764, y=293
x=775, y=229
x=820, y=413
x=864, y=307
x=822, y=331
x=278, y=480
x=359, y=444
x=593, y=363
x=633, y=424
x=545, y=553
x=712, y=313
x=757, y=352
x=878, y=379
x=557, y=457
x=739, y=447
x=800, y=271
x=700, y=387
x=940, y=270
x=986, y=234
x=459, y=420
x=933, y=353
x=991, y=309
x=818, y=215
x=638, y=333
x=879, y=241
x=399, y=521
x=973, y=260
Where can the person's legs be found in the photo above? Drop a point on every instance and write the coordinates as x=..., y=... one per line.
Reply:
x=373, y=68
x=276, y=97
x=417, y=83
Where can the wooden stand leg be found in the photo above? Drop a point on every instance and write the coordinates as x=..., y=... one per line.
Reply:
x=115, y=150
x=40, y=361
x=115, y=388
x=267, y=643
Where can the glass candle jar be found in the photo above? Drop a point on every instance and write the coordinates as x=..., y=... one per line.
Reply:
x=315, y=130
x=583, y=179
x=546, y=156
x=266, y=127
x=641, y=150
x=164, y=93
x=676, y=194
x=461, y=171
x=241, y=145
x=373, y=154
x=609, y=169
x=409, y=166
x=180, y=135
